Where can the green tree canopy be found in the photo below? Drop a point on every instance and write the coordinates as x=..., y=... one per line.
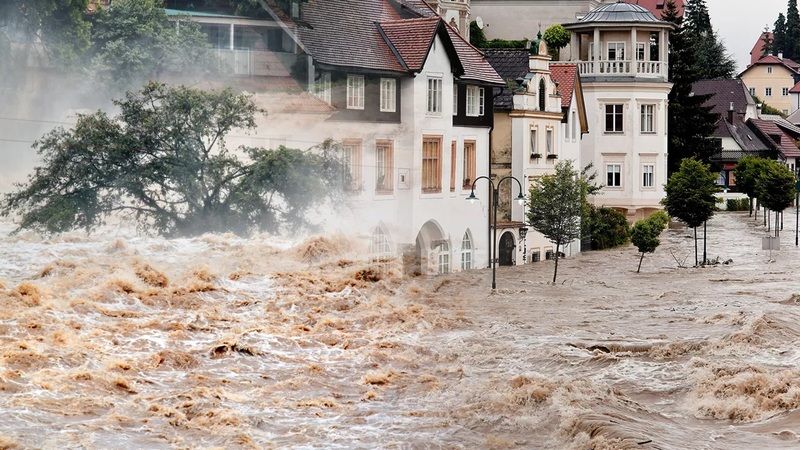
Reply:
x=775, y=186
x=555, y=206
x=690, y=194
x=792, y=30
x=163, y=160
x=556, y=37
x=133, y=42
x=645, y=233
x=779, y=35
x=748, y=171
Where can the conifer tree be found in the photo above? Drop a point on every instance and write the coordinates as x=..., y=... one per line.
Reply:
x=697, y=18
x=779, y=35
x=712, y=59
x=792, y=30
x=690, y=122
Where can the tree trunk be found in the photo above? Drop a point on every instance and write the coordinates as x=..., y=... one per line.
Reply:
x=757, y=208
x=750, y=205
x=695, y=247
x=640, y=263
x=777, y=223
x=705, y=256
x=767, y=221
x=555, y=271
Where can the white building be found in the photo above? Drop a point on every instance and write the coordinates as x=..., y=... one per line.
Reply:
x=407, y=98
x=622, y=54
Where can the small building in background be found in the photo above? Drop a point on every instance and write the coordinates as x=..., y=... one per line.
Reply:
x=770, y=79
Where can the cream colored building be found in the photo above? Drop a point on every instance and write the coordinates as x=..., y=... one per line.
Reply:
x=771, y=79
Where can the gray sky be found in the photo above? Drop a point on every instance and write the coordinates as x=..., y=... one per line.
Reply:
x=739, y=23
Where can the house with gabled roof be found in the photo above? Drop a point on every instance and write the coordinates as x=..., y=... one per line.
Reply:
x=408, y=99
x=771, y=78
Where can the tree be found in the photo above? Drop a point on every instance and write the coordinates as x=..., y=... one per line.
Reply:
x=61, y=26
x=690, y=195
x=779, y=35
x=607, y=228
x=690, y=122
x=476, y=35
x=645, y=233
x=163, y=161
x=555, y=207
x=748, y=171
x=712, y=58
x=133, y=42
x=792, y=31
x=775, y=188
x=698, y=20
x=556, y=37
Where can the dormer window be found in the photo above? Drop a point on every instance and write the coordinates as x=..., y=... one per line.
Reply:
x=355, y=92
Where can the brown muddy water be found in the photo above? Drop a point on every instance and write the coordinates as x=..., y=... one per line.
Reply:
x=119, y=341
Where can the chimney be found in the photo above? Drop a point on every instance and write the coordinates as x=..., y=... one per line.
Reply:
x=730, y=114
x=780, y=56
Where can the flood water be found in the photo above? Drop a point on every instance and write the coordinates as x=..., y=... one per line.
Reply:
x=121, y=341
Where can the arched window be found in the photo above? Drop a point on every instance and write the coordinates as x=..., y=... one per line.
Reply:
x=380, y=247
x=466, y=252
x=443, y=257
x=542, y=95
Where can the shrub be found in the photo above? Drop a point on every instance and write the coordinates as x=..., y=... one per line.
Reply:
x=607, y=227
x=737, y=204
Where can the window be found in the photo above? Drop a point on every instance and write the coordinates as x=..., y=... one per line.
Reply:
x=769, y=69
x=295, y=9
x=648, y=118
x=542, y=95
x=443, y=257
x=536, y=256
x=432, y=164
x=355, y=92
x=434, y=95
x=549, y=141
x=613, y=175
x=388, y=95
x=351, y=161
x=323, y=87
x=455, y=99
x=640, y=51
x=534, y=147
x=768, y=92
x=384, y=166
x=752, y=91
x=785, y=92
x=616, y=51
x=380, y=247
x=614, y=119
x=469, y=163
x=474, y=101
x=648, y=175
x=466, y=252
x=548, y=254
x=591, y=51
x=453, y=155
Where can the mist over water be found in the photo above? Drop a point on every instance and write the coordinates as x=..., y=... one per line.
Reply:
x=120, y=341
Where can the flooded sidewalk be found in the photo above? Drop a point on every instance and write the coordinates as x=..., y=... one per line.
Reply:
x=119, y=341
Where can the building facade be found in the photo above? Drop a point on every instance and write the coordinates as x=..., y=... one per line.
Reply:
x=771, y=79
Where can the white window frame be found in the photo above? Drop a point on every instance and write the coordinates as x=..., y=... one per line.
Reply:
x=617, y=47
x=785, y=91
x=323, y=87
x=455, y=99
x=768, y=92
x=443, y=258
x=574, y=124
x=380, y=246
x=648, y=175
x=388, y=95
x=475, y=101
x=355, y=91
x=641, y=47
x=618, y=127
x=752, y=91
x=591, y=51
x=434, y=99
x=618, y=166
x=647, y=126
x=533, y=138
x=769, y=69
x=466, y=252
x=549, y=141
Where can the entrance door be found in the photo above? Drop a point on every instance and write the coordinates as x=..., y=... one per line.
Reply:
x=506, y=250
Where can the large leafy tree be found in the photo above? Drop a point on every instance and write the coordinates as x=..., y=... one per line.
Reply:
x=690, y=122
x=775, y=188
x=555, y=206
x=690, y=195
x=134, y=42
x=60, y=26
x=163, y=160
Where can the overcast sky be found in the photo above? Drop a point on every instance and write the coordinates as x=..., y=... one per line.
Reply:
x=739, y=22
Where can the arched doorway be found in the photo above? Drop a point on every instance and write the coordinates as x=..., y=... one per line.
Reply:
x=432, y=250
x=506, y=249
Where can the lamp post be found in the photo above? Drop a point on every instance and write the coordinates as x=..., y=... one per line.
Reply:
x=495, y=199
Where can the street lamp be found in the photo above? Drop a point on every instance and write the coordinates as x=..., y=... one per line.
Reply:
x=496, y=200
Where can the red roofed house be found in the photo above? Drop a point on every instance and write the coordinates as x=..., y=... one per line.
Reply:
x=771, y=78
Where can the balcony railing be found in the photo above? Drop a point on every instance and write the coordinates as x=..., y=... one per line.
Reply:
x=248, y=62
x=644, y=69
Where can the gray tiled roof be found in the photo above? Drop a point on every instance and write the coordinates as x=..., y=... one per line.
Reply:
x=619, y=12
x=510, y=64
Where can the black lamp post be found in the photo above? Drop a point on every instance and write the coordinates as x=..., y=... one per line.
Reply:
x=495, y=199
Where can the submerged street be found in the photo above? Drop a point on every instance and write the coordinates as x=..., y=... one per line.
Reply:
x=122, y=341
